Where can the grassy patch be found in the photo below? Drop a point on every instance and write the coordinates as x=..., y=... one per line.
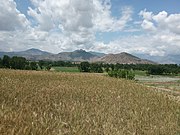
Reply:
x=50, y=103
x=160, y=81
x=66, y=69
x=139, y=72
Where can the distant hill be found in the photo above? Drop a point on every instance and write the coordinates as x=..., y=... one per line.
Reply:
x=124, y=58
x=79, y=55
x=171, y=59
x=29, y=54
x=97, y=54
x=34, y=52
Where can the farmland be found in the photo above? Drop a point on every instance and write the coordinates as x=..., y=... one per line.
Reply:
x=43, y=103
x=66, y=69
x=159, y=81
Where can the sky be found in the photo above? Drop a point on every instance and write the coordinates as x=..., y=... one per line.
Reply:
x=109, y=26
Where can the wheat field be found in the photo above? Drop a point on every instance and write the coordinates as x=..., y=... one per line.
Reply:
x=48, y=103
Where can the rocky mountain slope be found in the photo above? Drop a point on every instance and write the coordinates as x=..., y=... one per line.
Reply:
x=124, y=58
x=79, y=55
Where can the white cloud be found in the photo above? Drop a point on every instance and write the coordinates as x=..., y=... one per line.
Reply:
x=104, y=21
x=148, y=25
x=162, y=22
x=10, y=18
x=72, y=18
x=78, y=20
x=146, y=15
x=164, y=31
x=154, y=45
x=73, y=14
x=66, y=25
x=32, y=38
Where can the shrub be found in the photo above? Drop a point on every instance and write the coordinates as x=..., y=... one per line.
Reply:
x=127, y=74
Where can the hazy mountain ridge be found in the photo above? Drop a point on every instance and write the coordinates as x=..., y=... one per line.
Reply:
x=98, y=54
x=26, y=53
x=36, y=54
x=82, y=55
x=124, y=58
x=171, y=59
x=77, y=55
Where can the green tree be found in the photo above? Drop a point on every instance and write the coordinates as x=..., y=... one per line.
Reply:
x=1, y=63
x=107, y=69
x=6, y=61
x=18, y=62
x=96, y=68
x=156, y=70
x=48, y=67
x=131, y=75
x=84, y=67
x=28, y=67
x=41, y=63
x=127, y=74
x=112, y=66
x=122, y=73
x=33, y=65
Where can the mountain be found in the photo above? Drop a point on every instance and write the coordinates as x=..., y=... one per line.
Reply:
x=78, y=55
x=97, y=54
x=34, y=52
x=171, y=59
x=29, y=54
x=124, y=58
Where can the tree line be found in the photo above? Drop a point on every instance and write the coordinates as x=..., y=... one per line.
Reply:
x=153, y=69
x=20, y=63
x=115, y=70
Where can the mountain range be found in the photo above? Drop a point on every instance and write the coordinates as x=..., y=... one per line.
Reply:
x=168, y=59
x=82, y=55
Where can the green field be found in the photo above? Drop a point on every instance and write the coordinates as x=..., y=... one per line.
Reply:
x=160, y=81
x=51, y=103
x=66, y=69
x=140, y=73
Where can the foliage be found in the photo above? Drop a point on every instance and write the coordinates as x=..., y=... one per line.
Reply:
x=166, y=69
x=156, y=69
x=33, y=65
x=84, y=67
x=63, y=64
x=66, y=69
x=6, y=61
x=41, y=64
x=96, y=68
x=1, y=63
x=18, y=62
x=48, y=67
x=127, y=74
x=90, y=67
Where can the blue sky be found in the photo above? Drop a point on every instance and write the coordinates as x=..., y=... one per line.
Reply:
x=155, y=6
x=110, y=26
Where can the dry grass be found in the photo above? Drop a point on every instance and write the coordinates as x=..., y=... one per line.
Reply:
x=45, y=103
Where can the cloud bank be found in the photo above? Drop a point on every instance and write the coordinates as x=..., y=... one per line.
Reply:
x=66, y=25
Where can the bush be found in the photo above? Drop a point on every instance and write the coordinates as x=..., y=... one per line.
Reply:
x=96, y=68
x=127, y=74
x=48, y=67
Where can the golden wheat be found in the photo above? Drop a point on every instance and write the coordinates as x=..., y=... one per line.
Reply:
x=46, y=103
